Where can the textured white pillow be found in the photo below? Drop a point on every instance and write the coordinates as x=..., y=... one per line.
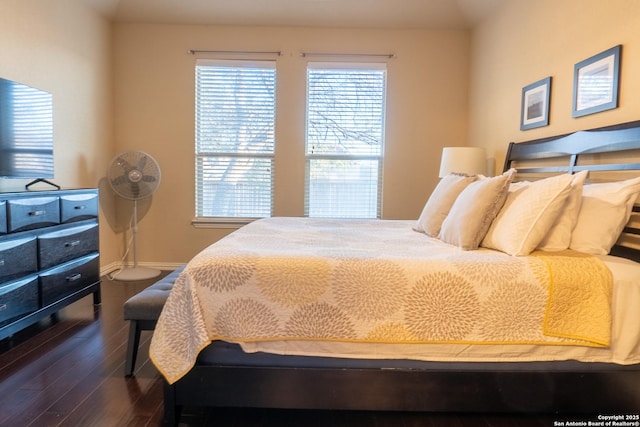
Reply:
x=474, y=210
x=527, y=215
x=559, y=237
x=439, y=203
x=605, y=210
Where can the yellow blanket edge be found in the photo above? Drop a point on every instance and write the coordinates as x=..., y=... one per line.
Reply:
x=547, y=330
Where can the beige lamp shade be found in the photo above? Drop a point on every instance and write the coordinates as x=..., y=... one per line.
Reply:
x=467, y=160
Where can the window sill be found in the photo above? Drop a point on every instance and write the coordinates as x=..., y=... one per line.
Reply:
x=210, y=222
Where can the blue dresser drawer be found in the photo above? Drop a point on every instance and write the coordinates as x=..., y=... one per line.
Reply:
x=3, y=217
x=18, y=258
x=60, y=246
x=65, y=279
x=18, y=298
x=77, y=207
x=36, y=212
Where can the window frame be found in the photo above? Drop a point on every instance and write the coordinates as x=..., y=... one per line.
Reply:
x=379, y=157
x=203, y=221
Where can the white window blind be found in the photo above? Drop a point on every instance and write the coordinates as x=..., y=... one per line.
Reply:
x=235, y=121
x=345, y=140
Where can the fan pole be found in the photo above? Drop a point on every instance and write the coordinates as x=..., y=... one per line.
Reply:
x=134, y=230
x=129, y=274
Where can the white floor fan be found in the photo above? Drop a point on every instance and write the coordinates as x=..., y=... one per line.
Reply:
x=134, y=175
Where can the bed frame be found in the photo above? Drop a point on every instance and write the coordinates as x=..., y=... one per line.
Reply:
x=535, y=387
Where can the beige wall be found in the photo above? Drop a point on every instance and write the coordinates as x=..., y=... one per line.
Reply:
x=63, y=47
x=154, y=112
x=444, y=88
x=525, y=41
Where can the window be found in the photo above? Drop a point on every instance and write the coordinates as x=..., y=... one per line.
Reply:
x=345, y=140
x=235, y=121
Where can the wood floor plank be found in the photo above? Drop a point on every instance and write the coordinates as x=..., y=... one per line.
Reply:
x=44, y=377
x=148, y=405
x=61, y=375
x=15, y=373
x=95, y=393
x=29, y=342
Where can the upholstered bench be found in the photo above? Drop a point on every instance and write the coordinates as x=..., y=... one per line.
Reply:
x=142, y=311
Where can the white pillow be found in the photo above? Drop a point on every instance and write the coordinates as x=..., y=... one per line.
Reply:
x=605, y=210
x=439, y=203
x=474, y=210
x=559, y=237
x=518, y=185
x=527, y=215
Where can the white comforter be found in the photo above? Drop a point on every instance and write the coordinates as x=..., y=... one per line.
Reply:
x=242, y=289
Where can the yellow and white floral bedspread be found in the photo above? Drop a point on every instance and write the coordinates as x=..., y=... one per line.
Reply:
x=375, y=282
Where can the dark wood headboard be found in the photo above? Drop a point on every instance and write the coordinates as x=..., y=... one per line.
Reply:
x=609, y=150
x=575, y=146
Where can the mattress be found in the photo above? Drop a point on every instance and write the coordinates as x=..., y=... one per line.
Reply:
x=359, y=286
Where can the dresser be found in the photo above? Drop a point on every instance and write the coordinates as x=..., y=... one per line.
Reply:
x=49, y=254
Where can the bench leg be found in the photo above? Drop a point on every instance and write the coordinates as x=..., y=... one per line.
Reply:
x=132, y=347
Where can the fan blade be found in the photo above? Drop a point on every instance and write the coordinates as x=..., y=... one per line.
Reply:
x=148, y=178
x=119, y=180
x=123, y=163
x=142, y=162
x=135, y=189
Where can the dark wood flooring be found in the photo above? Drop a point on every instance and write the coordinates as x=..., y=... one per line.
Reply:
x=69, y=372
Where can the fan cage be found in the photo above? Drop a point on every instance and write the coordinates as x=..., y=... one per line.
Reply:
x=134, y=175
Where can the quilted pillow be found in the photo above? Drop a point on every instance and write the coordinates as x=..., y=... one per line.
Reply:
x=527, y=215
x=605, y=210
x=439, y=203
x=474, y=210
x=559, y=237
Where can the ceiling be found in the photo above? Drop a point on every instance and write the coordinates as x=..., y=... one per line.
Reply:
x=435, y=14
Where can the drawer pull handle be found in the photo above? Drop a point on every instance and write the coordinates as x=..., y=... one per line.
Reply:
x=3, y=307
x=37, y=213
x=72, y=244
x=74, y=277
x=80, y=207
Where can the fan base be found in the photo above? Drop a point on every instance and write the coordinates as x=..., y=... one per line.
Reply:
x=130, y=274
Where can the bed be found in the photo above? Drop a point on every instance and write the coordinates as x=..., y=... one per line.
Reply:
x=432, y=325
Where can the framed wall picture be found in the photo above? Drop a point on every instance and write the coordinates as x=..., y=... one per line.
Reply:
x=535, y=104
x=596, y=83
